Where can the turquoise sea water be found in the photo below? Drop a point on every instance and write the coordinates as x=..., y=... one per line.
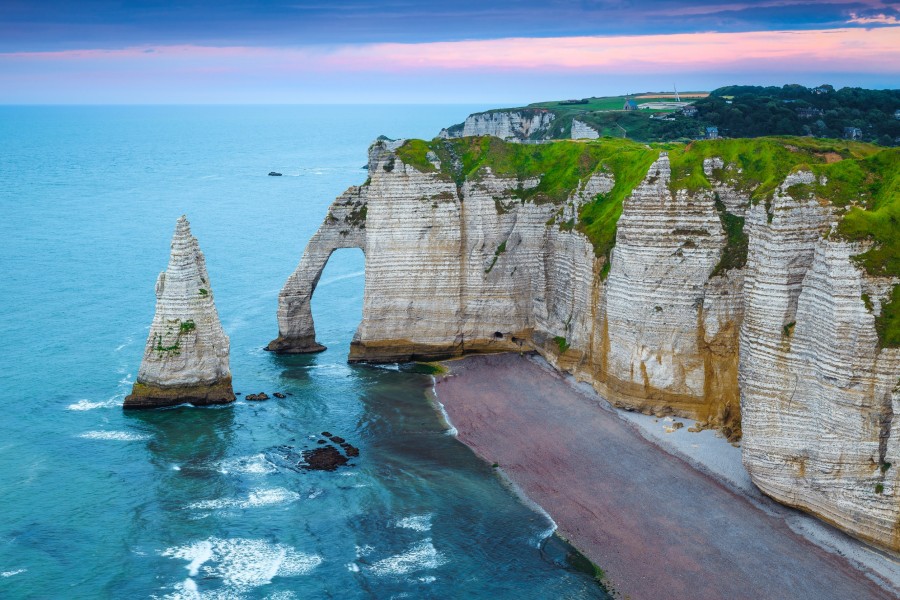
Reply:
x=200, y=503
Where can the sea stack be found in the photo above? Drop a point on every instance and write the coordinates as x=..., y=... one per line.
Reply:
x=186, y=357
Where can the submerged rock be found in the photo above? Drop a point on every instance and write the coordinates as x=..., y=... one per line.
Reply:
x=279, y=395
x=274, y=174
x=186, y=356
x=327, y=458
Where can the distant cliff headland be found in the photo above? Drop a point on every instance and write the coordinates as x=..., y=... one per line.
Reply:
x=733, y=111
x=751, y=284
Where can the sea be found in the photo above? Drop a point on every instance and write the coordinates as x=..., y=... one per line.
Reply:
x=193, y=502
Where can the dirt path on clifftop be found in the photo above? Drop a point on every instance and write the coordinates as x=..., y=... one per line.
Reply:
x=658, y=527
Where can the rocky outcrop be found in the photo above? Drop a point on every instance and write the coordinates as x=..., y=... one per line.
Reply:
x=818, y=393
x=761, y=328
x=513, y=125
x=582, y=131
x=186, y=357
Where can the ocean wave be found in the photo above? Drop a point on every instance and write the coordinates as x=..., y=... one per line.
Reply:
x=254, y=465
x=415, y=522
x=121, y=436
x=88, y=405
x=12, y=573
x=420, y=556
x=240, y=564
x=256, y=498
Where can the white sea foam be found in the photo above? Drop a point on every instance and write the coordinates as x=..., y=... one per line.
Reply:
x=256, y=498
x=415, y=522
x=451, y=430
x=387, y=367
x=12, y=573
x=121, y=436
x=364, y=550
x=353, y=567
x=88, y=405
x=254, y=465
x=420, y=556
x=428, y=579
x=241, y=564
x=315, y=493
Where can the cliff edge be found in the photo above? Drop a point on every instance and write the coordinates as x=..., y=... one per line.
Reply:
x=748, y=284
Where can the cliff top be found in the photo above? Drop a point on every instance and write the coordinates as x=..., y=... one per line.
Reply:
x=861, y=181
x=736, y=111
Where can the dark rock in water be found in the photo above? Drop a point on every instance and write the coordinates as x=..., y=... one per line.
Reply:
x=279, y=395
x=321, y=442
x=327, y=458
x=274, y=174
x=352, y=451
x=257, y=397
x=337, y=439
x=237, y=393
x=326, y=434
x=366, y=167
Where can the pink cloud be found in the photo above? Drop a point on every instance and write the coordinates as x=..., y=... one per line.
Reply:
x=439, y=71
x=834, y=49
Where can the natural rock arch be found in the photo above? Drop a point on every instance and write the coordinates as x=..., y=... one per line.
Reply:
x=344, y=227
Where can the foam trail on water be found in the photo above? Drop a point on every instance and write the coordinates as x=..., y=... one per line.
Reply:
x=12, y=573
x=88, y=405
x=337, y=278
x=121, y=436
x=415, y=522
x=256, y=498
x=240, y=564
x=420, y=556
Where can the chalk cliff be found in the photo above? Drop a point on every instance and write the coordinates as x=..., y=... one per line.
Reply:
x=186, y=356
x=718, y=281
x=583, y=131
x=512, y=125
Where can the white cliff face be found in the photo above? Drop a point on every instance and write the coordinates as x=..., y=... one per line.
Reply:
x=666, y=248
x=782, y=348
x=818, y=395
x=186, y=356
x=583, y=131
x=515, y=125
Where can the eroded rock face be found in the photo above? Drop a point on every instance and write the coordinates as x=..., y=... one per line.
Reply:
x=818, y=395
x=186, y=356
x=782, y=348
x=513, y=125
x=582, y=131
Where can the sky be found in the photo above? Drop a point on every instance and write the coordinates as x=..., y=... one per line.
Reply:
x=505, y=52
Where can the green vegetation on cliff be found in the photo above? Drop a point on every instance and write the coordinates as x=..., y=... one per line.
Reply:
x=860, y=180
x=560, y=168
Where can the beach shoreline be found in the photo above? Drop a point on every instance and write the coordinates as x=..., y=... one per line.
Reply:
x=663, y=511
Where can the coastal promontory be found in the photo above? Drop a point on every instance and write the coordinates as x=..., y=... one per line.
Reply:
x=186, y=356
x=748, y=284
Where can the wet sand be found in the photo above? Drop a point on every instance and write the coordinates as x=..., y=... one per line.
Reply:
x=656, y=525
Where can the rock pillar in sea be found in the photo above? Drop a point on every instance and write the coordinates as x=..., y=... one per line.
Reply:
x=186, y=357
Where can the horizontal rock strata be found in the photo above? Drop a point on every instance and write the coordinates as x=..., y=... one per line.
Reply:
x=186, y=356
x=514, y=125
x=760, y=328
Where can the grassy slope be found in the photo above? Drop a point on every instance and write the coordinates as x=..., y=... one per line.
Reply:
x=860, y=178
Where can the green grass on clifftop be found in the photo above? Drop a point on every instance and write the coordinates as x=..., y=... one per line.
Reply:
x=560, y=166
x=860, y=180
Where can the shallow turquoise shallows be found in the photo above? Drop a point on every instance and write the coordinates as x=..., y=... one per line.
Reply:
x=189, y=502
